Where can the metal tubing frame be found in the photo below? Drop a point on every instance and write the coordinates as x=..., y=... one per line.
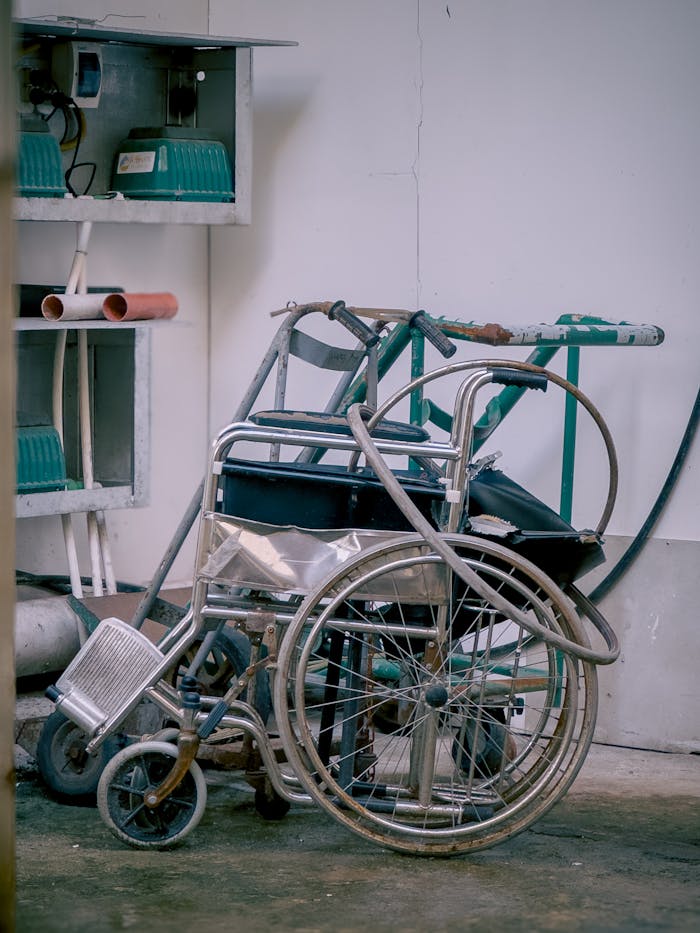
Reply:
x=278, y=349
x=455, y=453
x=184, y=633
x=245, y=717
x=568, y=330
x=451, y=368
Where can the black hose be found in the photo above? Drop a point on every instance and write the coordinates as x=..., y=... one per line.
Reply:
x=624, y=563
x=60, y=583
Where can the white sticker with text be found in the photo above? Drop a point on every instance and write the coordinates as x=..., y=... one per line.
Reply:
x=130, y=163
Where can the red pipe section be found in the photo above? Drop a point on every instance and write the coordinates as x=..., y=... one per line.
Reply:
x=139, y=306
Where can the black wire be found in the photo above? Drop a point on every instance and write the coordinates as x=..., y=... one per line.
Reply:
x=76, y=165
x=72, y=116
x=77, y=114
x=640, y=539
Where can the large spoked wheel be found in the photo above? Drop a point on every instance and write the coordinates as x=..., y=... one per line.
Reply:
x=422, y=718
x=68, y=771
x=122, y=790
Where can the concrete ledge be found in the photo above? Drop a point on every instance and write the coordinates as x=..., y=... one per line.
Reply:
x=31, y=711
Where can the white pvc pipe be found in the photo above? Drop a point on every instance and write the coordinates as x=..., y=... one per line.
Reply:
x=57, y=414
x=76, y=583
x=95, y=554
x=76, y=304
x=110, y=579
x=100, y=552
x=73, y=307
x=78, y=266
x=86, y=442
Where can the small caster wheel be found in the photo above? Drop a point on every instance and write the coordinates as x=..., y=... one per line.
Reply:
x=122, y=790
x=269, y=804
x=70, y=774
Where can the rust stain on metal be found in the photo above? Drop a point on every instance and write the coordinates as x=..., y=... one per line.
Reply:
x=493, y=334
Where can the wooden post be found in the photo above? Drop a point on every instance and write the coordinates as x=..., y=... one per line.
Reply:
x=7, y=478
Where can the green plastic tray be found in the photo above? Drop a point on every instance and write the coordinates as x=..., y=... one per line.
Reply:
x=41, y=466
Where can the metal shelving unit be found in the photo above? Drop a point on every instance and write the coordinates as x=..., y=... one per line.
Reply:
x=141, y=75
x=141, y=72
x=119, y=365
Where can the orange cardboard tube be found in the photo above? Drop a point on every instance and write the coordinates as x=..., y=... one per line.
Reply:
x=139, y=306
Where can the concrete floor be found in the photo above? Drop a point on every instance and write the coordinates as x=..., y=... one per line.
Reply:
x=620, y=852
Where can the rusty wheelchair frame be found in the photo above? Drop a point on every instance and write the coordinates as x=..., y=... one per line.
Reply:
x=414, y=634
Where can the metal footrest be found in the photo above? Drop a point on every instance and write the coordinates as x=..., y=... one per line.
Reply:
x=112, y=667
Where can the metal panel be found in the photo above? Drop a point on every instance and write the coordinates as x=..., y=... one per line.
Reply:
x=73, y=29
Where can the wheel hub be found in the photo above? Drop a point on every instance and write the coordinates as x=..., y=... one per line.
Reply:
x=436, y=695
x=77, y=755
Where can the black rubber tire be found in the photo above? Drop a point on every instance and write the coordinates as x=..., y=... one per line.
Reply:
x=215, y=677
x=485, y=745
x=70, y=774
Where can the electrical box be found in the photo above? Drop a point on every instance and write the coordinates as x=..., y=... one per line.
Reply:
x=76, y=67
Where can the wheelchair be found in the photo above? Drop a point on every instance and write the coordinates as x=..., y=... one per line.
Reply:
x=422, y=665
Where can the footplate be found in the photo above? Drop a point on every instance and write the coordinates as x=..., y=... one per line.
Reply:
x=108, y=673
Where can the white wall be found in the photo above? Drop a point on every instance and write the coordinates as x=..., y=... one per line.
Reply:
x=497, y=160
x=557, y=175
x=335, y=143
x=488, y=161
x=511, y=162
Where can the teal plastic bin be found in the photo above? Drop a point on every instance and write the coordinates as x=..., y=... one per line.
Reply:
x=39, y=164
x=173, y=163
x=41, y=466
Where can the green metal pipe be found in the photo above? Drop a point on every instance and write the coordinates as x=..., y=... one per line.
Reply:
x=496, y=409
x=573, y=360
x=417, y=370
x=390, y=349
